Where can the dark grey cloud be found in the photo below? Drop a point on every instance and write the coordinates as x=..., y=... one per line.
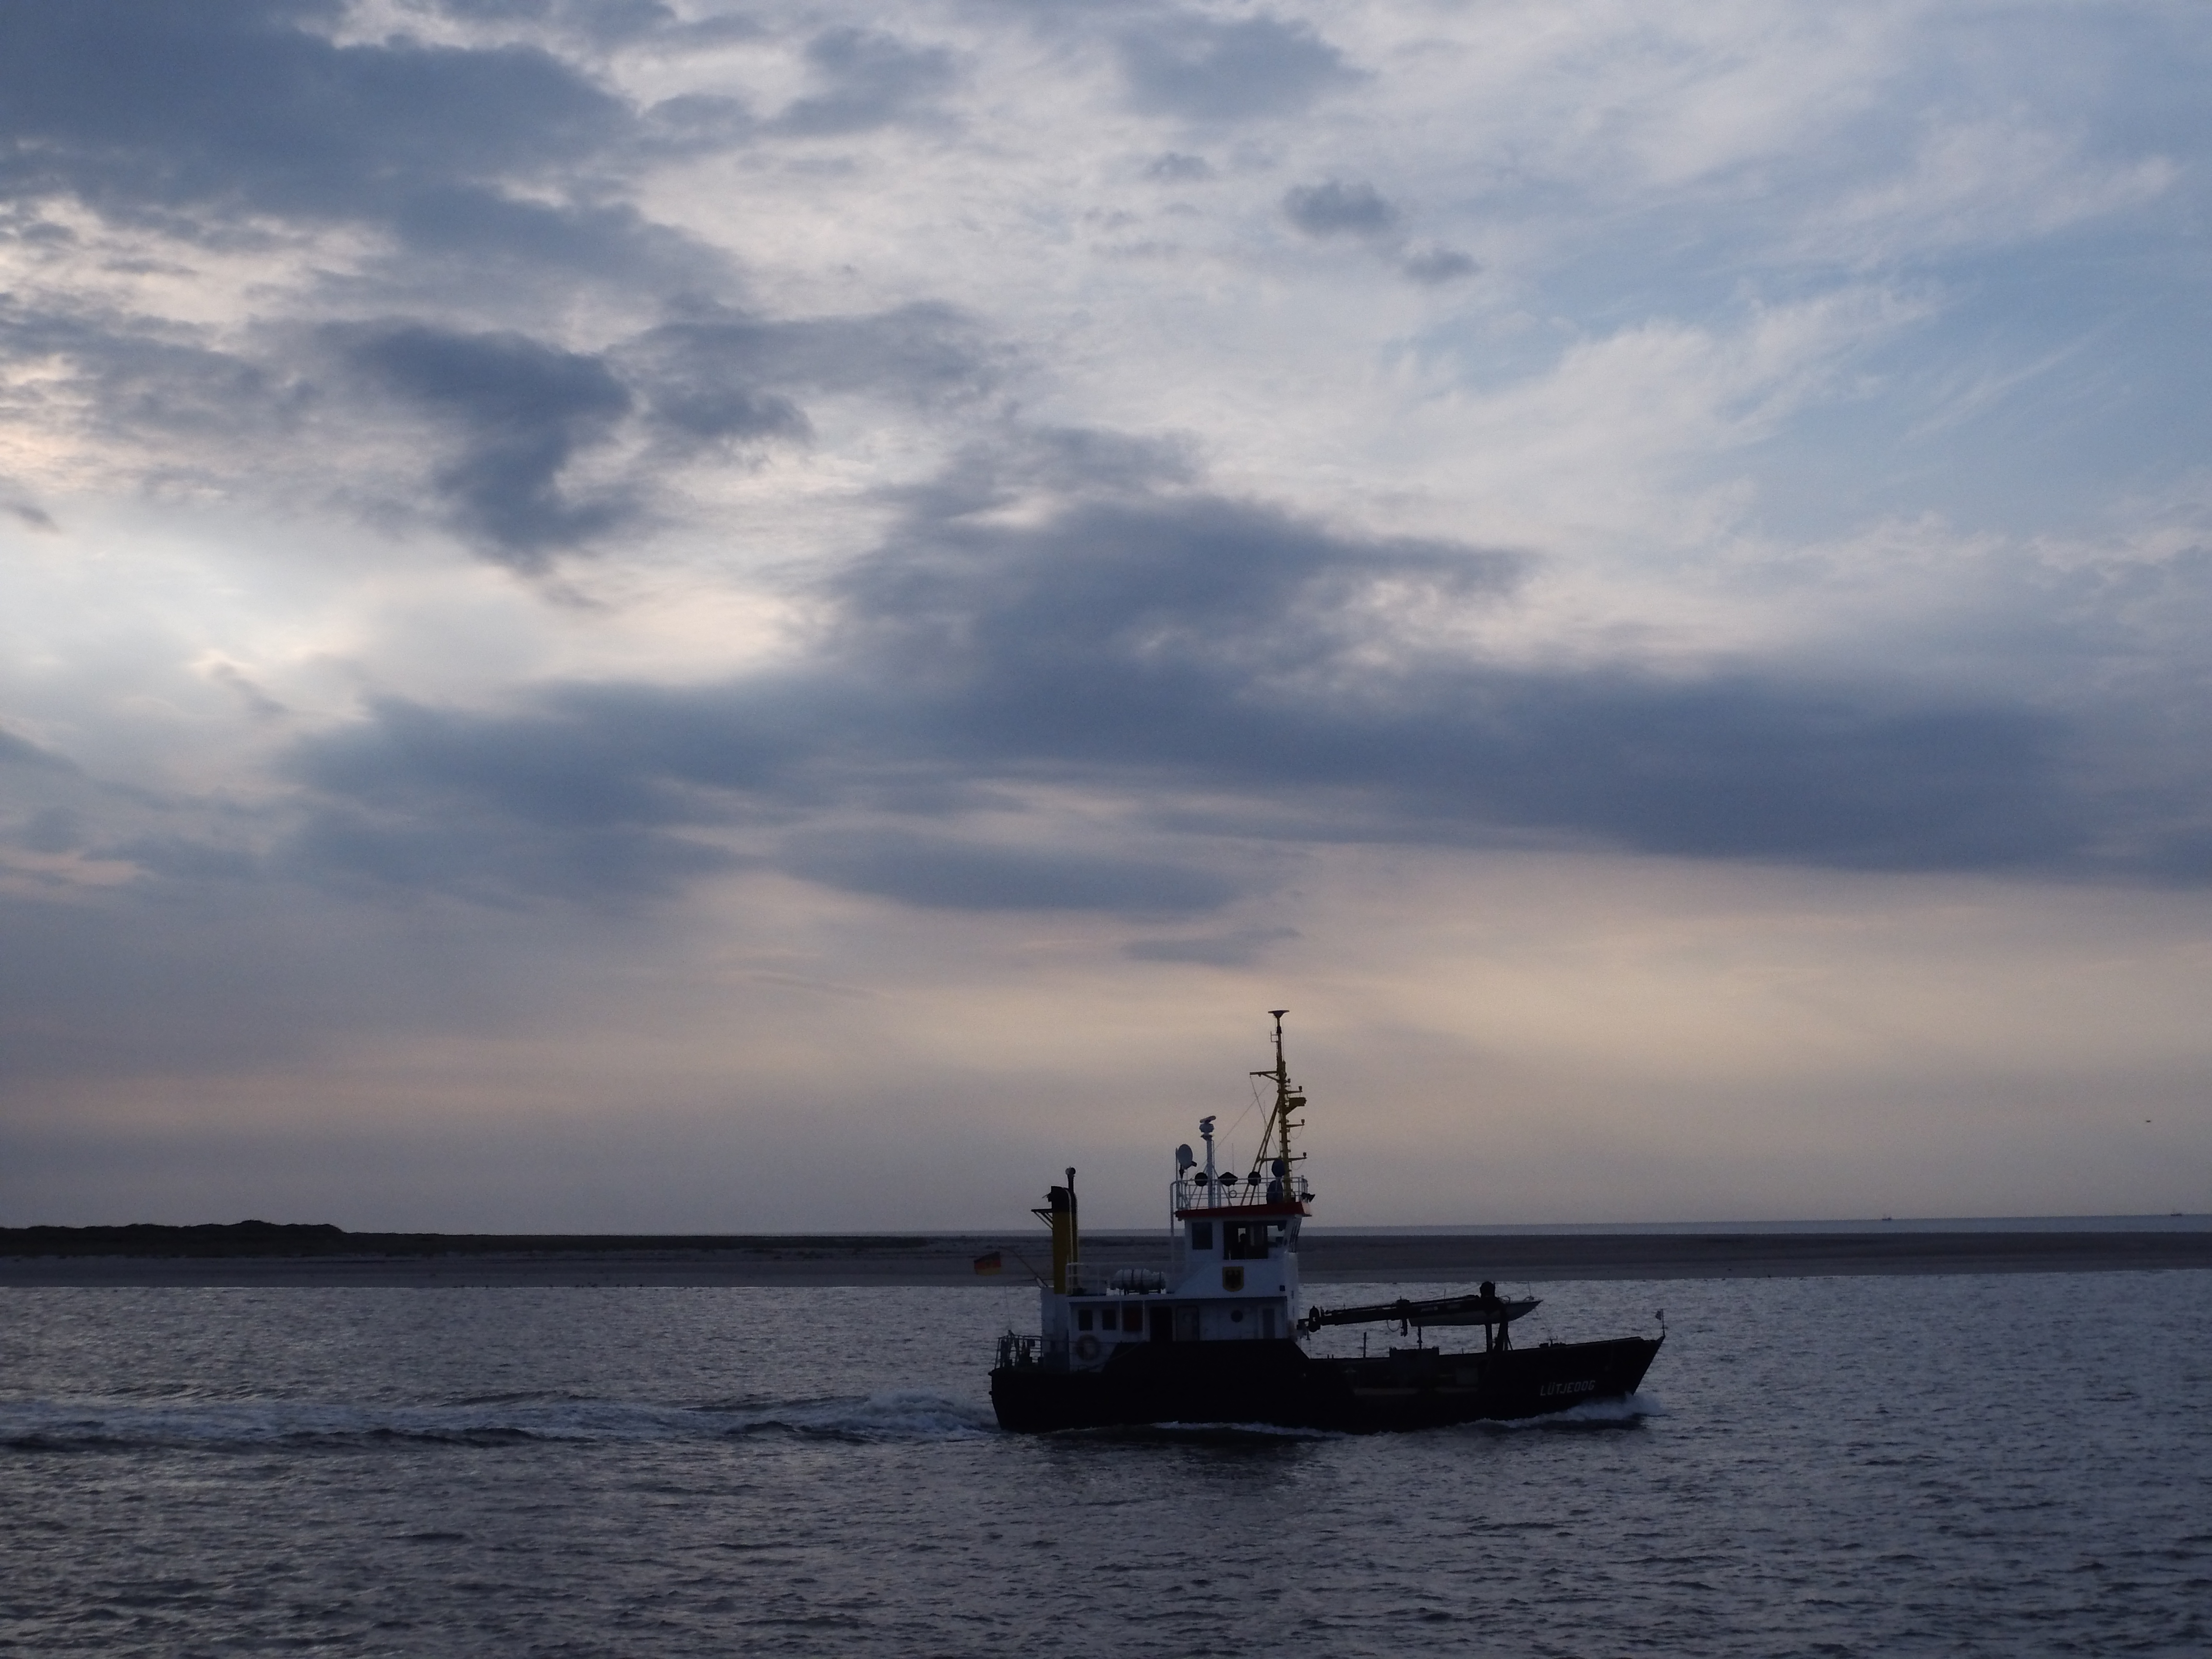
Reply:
x=717, y=372
x=1066, y=463
x=588, y=797
x=520, y=410
x=509, y=415
x=516, y=412
x=1335, y=207
x=1432, y=267
x=1221, y=642
x=1356, y=209
x=584, y=757
x=21, y=751
x=869, y=80
x=605, y=791
x=140, y=376
x=1175, y=167
x=484, y=234
x=1154, y=595
x=1244, y=674
x=695, y=121
x=195, y=114
x=208, y=120
x=51, y=830
x=1206, y=70
x=193, y=860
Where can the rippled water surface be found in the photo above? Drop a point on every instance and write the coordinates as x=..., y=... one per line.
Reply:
x=1873, y=1466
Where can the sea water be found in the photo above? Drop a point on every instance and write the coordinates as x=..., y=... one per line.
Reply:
x=1883, y=1466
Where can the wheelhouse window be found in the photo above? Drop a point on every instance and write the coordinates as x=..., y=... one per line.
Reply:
x=1082, y=1319
x=1201, y=1235
x=1248, y=1241
x=1133, y=1317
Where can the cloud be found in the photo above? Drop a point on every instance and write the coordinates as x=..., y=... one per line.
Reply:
x=1237, y=947
x=1432, y=267
x=1204, y=70
x=1175, y=167
x=135, y=375
x=1983, y=182
x=230, y=675
x=941, y=873
x=1336, y=209
x=474, y=229
x=520, y=410
x=584, y=799
x=529, y=462
x=207, y=112
x=52, y=829
x=871, y=80
x=602, y=22
x=719, y=372
x=1133, y=597
x=21, y=751
x=1358, y=211
x=987, y=653
x=586, y=756
x=980, y=616
x=1223, y=645
x=1234, y=675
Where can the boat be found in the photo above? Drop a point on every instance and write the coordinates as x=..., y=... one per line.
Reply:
x=1215, y=1337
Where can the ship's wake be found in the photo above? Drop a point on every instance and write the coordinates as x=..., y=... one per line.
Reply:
x=1220, y=1434
x=904, y=1415
x=1626, y=1412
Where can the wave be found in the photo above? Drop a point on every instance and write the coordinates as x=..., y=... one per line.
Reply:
x=904, y=1415
x=1628, y=1409
x=1204, y=1433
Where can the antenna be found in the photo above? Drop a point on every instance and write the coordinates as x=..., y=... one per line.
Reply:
x=1278, y=1120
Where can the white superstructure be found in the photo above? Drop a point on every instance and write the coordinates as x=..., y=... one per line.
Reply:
x=1235, y=1274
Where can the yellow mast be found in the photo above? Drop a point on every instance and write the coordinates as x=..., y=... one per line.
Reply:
x=1279, y=1122
x=1058, y=1214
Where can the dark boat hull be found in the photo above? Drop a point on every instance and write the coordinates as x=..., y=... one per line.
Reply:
x=1278, y=1383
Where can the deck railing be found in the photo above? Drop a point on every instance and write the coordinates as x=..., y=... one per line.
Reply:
x=1020, y=1350
x=1192, y=1192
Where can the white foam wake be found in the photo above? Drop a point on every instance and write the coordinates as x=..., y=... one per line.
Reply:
x=1629, y=1408
x=906, y=1415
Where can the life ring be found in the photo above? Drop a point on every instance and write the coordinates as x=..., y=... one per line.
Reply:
x=1086, y=1347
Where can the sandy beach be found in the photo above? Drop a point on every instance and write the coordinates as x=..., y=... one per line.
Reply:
x=949, y=1259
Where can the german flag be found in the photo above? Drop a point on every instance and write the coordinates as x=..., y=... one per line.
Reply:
x=990, y=1264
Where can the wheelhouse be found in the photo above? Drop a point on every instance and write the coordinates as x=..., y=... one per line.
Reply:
x=1234, y=1271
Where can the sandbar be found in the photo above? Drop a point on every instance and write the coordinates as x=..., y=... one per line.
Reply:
x=335, y=1259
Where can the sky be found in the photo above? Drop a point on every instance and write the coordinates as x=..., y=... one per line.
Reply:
x=648, y=615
